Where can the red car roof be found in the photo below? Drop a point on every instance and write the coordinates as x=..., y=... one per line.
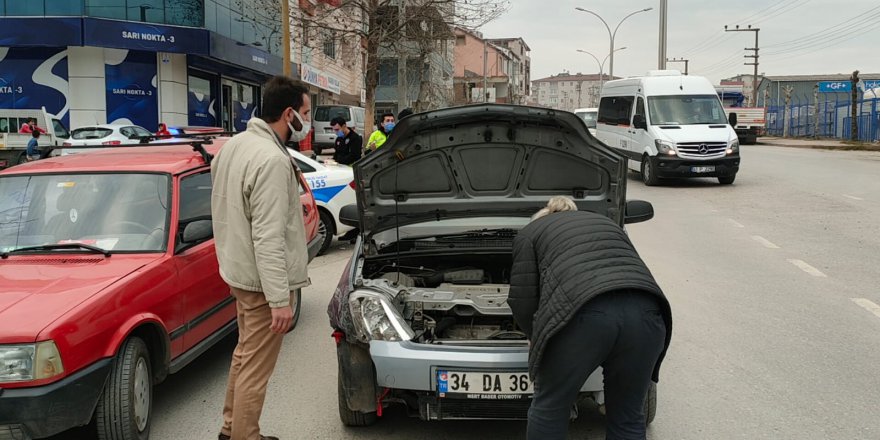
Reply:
x=173, y=159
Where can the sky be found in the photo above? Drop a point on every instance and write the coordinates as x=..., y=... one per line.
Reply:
x=797, y=37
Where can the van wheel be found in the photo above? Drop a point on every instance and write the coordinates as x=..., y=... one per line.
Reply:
x=649, y=174
x=651, y=404
x=22, y=158
x=125, y=406
x=727, y=180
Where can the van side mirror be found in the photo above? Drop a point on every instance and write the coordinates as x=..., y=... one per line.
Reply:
x=639, y=121
x=732, y=119
x=350, y=216
x=638, y=211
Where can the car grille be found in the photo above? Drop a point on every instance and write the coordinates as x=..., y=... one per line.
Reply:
x=466, y=409
x=701, y=150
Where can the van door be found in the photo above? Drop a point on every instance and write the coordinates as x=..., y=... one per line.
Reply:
x=640, y=139
x=614, y=123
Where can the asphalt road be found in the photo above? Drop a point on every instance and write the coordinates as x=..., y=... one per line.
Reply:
x=771, y=280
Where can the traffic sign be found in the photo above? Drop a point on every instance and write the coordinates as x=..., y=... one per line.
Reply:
x=835, y=86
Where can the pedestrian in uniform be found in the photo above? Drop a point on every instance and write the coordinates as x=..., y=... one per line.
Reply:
x=261, y=245
x=33, y=147
x=378, y=138
x=582, y=294
x=349, y=144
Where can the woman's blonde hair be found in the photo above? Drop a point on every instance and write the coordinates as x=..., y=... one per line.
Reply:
x=556, y=204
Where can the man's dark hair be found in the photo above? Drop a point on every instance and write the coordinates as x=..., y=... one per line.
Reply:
x=404, y=113
x=385, y=115
x=339, y=120
x=36, y=133
x=278, y=94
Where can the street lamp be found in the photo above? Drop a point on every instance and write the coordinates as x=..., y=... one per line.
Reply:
x=611, y=35
x=601, y=65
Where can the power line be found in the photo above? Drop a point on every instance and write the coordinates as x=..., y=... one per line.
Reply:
x=825, y=44
x=865, y=17
x=720, y=34
x=777, y=13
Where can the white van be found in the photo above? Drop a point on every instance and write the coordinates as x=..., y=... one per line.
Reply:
x=669, y=125
x=325, y=137
x=589, y=115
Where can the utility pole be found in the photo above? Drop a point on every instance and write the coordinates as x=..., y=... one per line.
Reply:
x=680, y=60
x=755, y=56
x=285, y=37
x=661, y=64
x=854, y=134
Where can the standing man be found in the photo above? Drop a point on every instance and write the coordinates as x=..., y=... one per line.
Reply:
x=261, y=245
x=378, y=138
x=33, y=147
x=349, y=144
x=585, y=299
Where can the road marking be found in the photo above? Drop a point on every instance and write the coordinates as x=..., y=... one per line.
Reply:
x=767, y=243
x=852, y=197
x=867, y=305
x=802, y=265
x=735, y=223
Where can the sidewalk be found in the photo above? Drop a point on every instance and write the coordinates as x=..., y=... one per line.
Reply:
x=823, y=144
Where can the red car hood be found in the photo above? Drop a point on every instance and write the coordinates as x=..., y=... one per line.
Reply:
x=37, y=290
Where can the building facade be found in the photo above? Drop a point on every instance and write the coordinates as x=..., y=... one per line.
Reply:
x=502, y=65
x=568, y=92
x=181, y=62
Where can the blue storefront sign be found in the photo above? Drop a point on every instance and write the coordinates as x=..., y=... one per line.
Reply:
x=835, y=86
x=229, y=50
x=33, y=78
x=131, y=88
x=144, y=36
x=40, y=31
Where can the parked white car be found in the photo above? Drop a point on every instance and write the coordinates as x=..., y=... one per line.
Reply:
x=105, y=134
x=589, y=115
x=333, y=187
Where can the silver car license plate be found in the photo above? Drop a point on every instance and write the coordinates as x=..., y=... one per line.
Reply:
x=486, y=385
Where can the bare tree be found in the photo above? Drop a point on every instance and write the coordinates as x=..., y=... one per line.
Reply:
x=420, y=27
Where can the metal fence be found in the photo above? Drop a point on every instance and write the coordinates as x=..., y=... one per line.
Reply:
x=830, y=119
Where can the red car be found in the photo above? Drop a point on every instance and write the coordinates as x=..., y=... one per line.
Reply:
x=108, y=283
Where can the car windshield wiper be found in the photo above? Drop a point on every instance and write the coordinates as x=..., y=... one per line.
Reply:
x=479, y=233
x=53, y=247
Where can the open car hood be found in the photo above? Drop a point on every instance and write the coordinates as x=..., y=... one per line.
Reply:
x=486, y=160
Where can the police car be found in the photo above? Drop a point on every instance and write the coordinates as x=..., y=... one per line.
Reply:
x=333, y=187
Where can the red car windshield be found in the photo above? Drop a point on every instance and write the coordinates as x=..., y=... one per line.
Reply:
x=120, y=212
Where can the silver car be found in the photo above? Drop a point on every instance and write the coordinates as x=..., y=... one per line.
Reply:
x=421, y=314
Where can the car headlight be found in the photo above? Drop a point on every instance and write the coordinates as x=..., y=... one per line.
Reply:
x=26, y=362
x=733, y=147
x=376, y=319
x=665, y=147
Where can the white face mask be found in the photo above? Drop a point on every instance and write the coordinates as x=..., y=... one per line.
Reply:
x=297, y=136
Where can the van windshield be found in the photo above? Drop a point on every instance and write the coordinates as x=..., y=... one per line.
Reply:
x=589, y=118
x=686, y=110
x=328, y=113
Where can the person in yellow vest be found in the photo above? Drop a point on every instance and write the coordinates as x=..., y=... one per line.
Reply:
x=378, y=138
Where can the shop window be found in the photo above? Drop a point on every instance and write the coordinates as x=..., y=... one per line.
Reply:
x=186, y=12
x=150, y=11
x=63, y=7
x=25, y=8
x=106, y=9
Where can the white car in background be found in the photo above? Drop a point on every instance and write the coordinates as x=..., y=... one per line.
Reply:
x=590, y=117
x=104, y=134
x=333, y=187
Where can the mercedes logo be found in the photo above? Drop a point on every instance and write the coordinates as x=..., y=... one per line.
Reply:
x=704, y=149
